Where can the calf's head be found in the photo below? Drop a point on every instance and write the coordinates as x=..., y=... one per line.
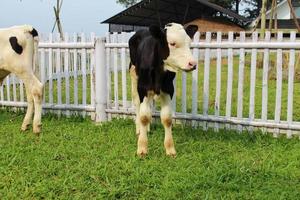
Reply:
x=179, y=41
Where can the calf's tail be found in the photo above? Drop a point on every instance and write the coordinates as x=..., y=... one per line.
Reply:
x=35, y=36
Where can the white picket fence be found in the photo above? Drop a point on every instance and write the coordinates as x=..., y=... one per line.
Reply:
x=89, y=76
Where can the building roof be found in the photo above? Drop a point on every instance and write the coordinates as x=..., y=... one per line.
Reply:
x=161, y=12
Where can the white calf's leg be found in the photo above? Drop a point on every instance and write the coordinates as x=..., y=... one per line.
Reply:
x=166, y=119
x=37, y=93
x=145, y=118
x=29, y=112
x=151, y=103
x=135, y=97
x=34, y=91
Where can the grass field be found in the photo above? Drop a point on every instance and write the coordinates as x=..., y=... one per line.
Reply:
x=74, y=159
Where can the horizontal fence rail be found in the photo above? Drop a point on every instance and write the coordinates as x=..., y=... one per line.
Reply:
x=241, y=82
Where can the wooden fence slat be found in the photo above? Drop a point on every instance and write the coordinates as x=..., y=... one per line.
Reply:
x=264, y=109
x=253, y=79
x=291, y=85
x=42, y=73
x=195, y=78
x=108, y=71
x=22, y=91
x=241, y=82
x=183, y=95
x=67, y=73
x=58, y=75
x=206, y=80
x=8, y=88
x=116, y=81
x=75, y=71
x=92, y=75
x=50, y=70
x=218, y=80
x=174, y=99
x=229, y=80
x=1, y=93
x=278, y=85
x=83, y=71
x=124, y=72
x=13, y=77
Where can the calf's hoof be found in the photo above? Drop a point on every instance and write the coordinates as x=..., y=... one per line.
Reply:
x=171, y=152
x=142, y=152
x=37, y=129
x=24, y=127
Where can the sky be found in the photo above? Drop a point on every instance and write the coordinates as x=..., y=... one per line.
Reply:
x=76, y=15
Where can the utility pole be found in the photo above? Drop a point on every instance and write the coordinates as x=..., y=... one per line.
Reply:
x=57, y=18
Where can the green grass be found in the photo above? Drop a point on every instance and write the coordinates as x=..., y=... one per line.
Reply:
x=75, y=159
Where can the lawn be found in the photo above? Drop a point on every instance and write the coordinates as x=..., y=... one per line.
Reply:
x=75, y=159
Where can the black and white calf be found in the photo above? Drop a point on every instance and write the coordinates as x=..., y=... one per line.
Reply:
x=156, y=55
x=18, y=50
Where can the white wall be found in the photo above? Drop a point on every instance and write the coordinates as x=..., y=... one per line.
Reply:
x=283, y=11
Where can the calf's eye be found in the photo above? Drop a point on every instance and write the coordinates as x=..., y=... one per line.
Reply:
x=173, y=44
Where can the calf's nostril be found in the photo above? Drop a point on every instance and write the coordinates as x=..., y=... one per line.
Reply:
x=192, y=64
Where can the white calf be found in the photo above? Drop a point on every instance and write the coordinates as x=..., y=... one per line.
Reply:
x=18, y=51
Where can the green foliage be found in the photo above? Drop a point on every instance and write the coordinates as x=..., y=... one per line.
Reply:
x=127, y=3
x=224, y=3
x=75, y=159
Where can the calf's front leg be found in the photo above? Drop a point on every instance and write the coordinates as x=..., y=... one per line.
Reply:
x=166, y=120
x=144, y=121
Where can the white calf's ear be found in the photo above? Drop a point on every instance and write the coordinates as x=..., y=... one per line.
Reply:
x=191, y=30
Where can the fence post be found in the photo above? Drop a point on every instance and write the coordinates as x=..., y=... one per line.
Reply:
x=100, y=80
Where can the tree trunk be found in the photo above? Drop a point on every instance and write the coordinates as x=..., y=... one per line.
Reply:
x=272, y=15
x=263, y=19
x=294, y=15
x=237, y=6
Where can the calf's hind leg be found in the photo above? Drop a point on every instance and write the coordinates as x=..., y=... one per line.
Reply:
x=37, y=93
x=135, y=97
x=30, y=107
x=34, y=91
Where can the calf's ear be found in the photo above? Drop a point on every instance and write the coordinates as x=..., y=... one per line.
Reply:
x=191, y=30
x=156, y=31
